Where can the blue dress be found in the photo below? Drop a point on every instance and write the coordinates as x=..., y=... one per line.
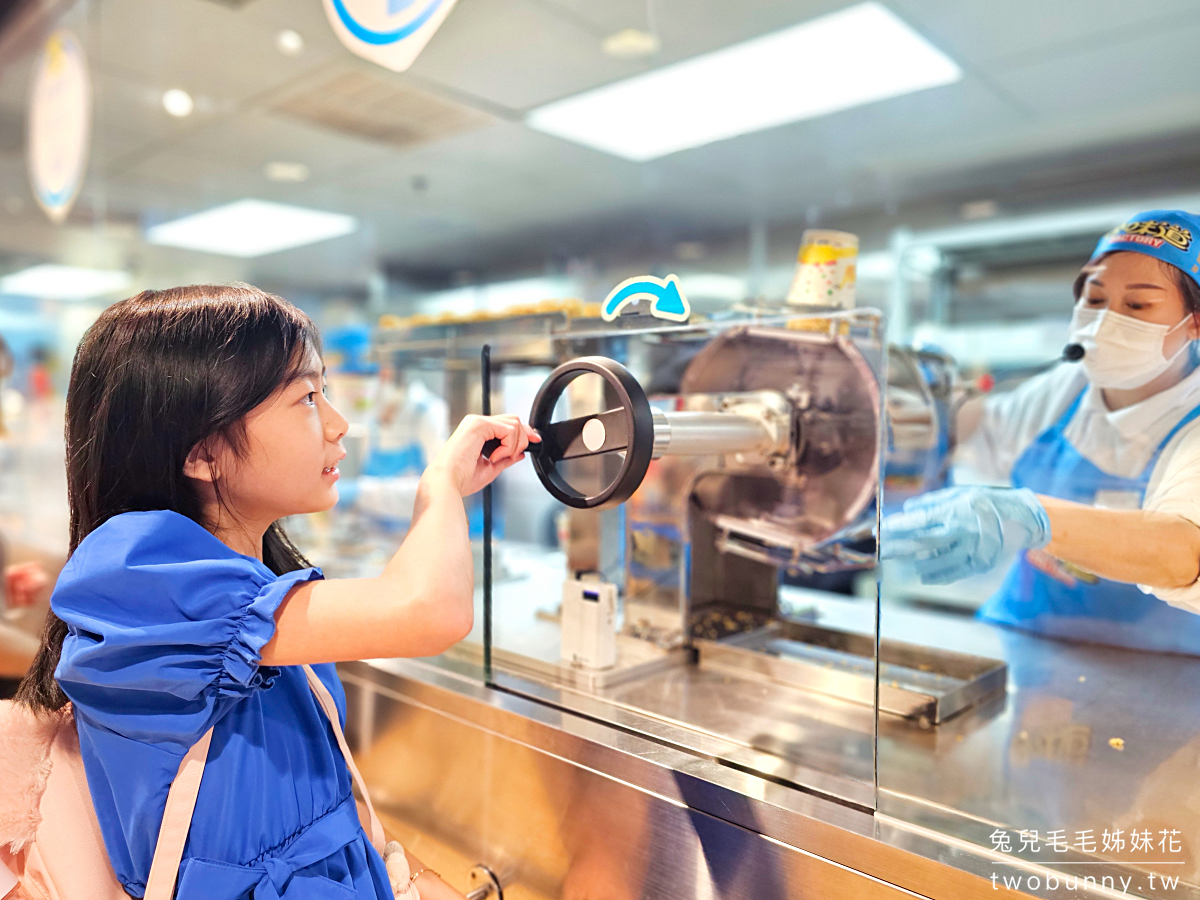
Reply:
x=166, y=627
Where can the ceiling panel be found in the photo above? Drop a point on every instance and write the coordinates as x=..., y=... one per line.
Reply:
x=247, y=142
x=602, y=19
x=215, y=53
x=503, y=174
x=689, y=27
x=516, y=54
x=1141, y=69
x=984, y=34
x=520, y=54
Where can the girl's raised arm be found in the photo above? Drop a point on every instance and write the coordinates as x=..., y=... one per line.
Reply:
x=422, y=603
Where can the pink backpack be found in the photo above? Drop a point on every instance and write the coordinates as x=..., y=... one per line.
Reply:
x=50, y=842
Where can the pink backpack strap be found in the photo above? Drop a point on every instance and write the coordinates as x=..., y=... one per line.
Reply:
x=181, y=799
x=177, y=820
x=8, y=879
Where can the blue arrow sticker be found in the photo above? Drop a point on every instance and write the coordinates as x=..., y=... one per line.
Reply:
x=667, y=300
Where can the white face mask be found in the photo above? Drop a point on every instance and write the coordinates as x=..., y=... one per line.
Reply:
x=1121, y=351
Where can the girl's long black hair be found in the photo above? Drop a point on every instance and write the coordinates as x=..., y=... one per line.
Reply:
x=153, y=377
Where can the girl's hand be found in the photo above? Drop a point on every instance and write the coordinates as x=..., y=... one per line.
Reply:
x=461, y=458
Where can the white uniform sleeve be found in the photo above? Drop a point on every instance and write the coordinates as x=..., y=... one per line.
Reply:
x=1175, y=489
x=1012, y=421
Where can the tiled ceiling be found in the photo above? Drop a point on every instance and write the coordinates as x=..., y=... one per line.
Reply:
x=1061, y=100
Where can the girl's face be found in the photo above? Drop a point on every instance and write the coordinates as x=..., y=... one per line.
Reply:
x=293, y=445
x=1138, y=286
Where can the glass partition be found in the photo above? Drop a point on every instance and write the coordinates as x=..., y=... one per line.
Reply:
x=690, y=554
x=401, y=407
x=1063, y=725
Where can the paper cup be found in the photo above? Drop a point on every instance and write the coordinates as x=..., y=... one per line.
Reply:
x=825, y=270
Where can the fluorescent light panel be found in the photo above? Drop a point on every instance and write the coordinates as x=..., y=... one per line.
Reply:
x=55, y=282
x=248, y=228
x=859, y=55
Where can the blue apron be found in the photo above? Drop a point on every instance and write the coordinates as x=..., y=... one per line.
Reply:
x=1091, y=609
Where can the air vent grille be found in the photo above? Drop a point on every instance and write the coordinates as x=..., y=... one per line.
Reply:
x=380, y=110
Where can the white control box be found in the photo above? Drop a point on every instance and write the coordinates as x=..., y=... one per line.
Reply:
x=589, y=622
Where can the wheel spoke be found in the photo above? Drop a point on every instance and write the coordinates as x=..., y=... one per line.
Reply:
x=567, y=439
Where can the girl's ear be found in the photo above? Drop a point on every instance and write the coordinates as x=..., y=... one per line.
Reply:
x=201, y=464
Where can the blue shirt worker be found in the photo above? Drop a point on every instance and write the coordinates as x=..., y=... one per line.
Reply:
x=1102, y=459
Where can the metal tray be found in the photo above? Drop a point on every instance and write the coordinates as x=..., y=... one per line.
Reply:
x=916, y=682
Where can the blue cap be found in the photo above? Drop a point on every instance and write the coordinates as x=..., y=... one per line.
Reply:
x=1171, y=235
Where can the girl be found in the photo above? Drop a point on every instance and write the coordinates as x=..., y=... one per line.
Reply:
x=196, y=420
x=1103, y=459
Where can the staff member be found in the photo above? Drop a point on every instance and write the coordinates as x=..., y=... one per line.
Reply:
x=411, y=424
x=1103, y=459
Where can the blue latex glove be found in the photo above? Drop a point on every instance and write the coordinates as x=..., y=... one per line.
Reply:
x=963, y=531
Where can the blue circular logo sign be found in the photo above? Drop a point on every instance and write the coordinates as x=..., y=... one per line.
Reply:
x=377, y=36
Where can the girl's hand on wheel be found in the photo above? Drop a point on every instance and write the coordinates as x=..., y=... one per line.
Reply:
x=461, y=458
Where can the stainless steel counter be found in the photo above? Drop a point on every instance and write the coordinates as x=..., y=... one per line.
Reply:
x=1087, y=738
x=560, y=805
x=774, y=760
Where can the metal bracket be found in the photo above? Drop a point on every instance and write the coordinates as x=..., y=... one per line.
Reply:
x=483, y=884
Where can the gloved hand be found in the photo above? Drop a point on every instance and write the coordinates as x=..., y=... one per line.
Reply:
x=962, y=531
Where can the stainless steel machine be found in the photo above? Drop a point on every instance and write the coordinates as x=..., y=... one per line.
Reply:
x=765, y=460
x=701, y=468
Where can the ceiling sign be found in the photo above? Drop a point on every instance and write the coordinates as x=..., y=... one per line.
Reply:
x=388, y=32
x=60, y=124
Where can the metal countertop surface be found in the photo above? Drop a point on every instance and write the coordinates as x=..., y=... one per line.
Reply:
x=1039, y=758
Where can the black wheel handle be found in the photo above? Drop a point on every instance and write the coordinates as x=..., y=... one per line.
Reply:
x=628, y=427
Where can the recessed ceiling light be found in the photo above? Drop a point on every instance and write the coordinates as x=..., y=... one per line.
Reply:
x=249, y=228
x=56, y=282
x=858, y=55
x=289, y=43
x=178, y=103
x=630, y=43
x=287, y=171
x=979, y=209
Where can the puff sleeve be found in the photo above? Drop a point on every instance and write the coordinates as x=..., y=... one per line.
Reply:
x=166, y=626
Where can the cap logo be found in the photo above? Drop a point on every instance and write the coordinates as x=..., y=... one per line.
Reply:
x=1154, y=233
